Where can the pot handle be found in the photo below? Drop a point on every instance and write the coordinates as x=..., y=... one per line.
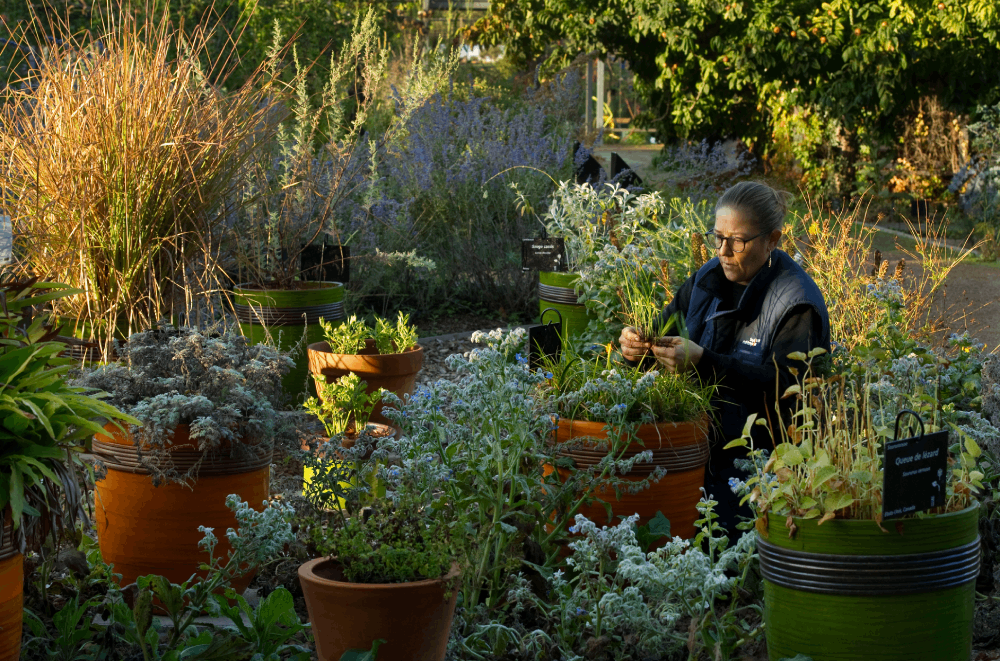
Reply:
x=899, y=417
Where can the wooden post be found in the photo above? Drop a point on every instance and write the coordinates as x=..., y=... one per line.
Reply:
x=588, y=119
x=599, y=116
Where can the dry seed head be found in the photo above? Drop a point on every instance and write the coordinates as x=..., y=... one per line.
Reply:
x=883, y=268
x=900, y=267
x=698, y=250
x=704, y=254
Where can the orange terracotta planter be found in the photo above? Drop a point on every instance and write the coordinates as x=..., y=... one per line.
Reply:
x=11, y=595
x=681, y=448
x=413, y=618
x=142, y=529
x=396, y=372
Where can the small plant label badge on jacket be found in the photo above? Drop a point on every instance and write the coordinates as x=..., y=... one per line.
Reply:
x=915, y=472
x=6, y=240
x=543, y=254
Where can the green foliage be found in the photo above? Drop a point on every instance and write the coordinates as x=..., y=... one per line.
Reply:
x=44, y=423
x=130, y=630
x=601, y=389
x=343, y=406
x=363, y=655
x=713, y=68
x=349, y=336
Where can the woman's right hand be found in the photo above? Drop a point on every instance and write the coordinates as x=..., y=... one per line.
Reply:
x=633, y=348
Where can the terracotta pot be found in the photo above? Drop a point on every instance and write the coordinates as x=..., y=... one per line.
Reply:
x=11, y=594
x=413, y=618
x=142, y=529
x=681, y=448
x=396, y=372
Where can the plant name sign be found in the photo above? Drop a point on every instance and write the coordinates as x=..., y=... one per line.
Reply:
x=543, y=254
x=915, y=471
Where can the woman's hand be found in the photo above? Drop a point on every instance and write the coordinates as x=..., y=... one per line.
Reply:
x=676, y=353
x=633, y=348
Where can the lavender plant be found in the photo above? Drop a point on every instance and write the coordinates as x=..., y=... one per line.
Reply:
x=444, y=191
x=303, y=187
x=225, y=389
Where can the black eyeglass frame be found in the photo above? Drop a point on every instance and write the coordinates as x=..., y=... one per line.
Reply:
x=719, y=240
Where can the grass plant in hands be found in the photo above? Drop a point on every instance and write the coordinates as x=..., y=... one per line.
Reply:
x=827, y=462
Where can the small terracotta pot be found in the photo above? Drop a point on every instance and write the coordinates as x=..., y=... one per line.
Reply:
x=11, y=594
x=681, y=448
x=396, y=372
x=142, y=529
x=413, y=618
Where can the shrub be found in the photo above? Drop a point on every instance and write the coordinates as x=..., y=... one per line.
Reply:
x=120, y=157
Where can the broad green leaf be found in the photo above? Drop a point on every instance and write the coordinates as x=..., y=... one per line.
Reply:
x=823, y=475
x=749, y=423
x=838, y=500
x=363, y=655
x=972, y=447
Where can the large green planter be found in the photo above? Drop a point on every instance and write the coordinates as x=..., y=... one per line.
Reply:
x=846, y=590
x=556, y=290
x=284, y=314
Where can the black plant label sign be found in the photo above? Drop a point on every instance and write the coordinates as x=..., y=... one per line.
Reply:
x=915, y=473
x=544, y=342
x=543, y=254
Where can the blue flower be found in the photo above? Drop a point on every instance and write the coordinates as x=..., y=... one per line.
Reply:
x=548, y=375
x=521, y=359
x=574, y=529
x=580, y=612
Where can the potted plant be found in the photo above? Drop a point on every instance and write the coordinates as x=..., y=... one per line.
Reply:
x=641, y=436
x=388, y=571
x=344, y=409
x=386, y=356
x=109, y=183
x=205, y=408
x=840, y=582
x=46, y=426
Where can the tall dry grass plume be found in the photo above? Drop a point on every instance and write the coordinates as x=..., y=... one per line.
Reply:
x=119, y=157
x=837, y=251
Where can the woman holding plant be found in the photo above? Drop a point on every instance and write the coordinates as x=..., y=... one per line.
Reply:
x=745, y=311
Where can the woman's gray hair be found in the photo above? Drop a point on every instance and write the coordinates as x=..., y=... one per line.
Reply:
x=758, y=203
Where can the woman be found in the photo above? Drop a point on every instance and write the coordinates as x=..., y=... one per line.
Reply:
x=745, y=311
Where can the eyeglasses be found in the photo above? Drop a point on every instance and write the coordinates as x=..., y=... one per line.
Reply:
x=735, y=243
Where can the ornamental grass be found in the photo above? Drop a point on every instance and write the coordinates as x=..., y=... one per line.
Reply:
x=120, y=156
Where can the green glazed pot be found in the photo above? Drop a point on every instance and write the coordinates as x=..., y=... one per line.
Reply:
x=555, y=290
x=284, y=315
x=846, y=590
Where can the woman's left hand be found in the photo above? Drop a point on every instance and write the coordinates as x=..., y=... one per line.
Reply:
x=677, y=354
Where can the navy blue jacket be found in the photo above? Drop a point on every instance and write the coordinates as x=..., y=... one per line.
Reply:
x=780, y=311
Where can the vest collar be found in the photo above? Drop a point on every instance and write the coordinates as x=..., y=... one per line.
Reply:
x=750, y=302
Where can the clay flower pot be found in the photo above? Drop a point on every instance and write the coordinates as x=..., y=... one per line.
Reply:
x=142, y=529
x=680, y=447
x=396, y=372
x=11, y=593
x=413, y=618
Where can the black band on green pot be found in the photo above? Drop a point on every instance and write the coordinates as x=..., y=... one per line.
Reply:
x=268, y=316
x=869, y=575
x=553, y=294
